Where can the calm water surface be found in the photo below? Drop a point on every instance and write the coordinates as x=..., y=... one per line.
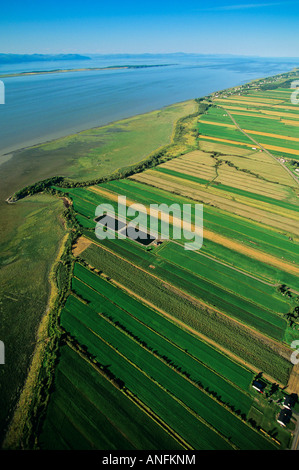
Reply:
x=43, y=107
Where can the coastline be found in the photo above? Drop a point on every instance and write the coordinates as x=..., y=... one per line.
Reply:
x=21, y=410
x=14, y=431
x=85, y=69
x=9, y=153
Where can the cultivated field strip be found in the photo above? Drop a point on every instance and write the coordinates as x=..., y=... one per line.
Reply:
x=193, y=401
x=287, y=151
x=230, y=180
x=220, y=297
x=97, y=335
x=139, y=326
x=86, y=411
x=173, y=257
x=264, y=167
x=209, y=321
x=198, y=350
x=216, y=198
x=268, y=140
x=256, y=237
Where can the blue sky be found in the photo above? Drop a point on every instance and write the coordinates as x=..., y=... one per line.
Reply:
x=264, y=28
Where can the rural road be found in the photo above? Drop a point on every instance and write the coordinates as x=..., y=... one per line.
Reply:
x=259, y=145
x=295, y=444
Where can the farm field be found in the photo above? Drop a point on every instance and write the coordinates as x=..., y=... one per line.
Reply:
x=223, y=297
x=100, y=416
x=271, y=130
x=209, y=322
x=103, y=150
x=101, y=293
x=193, y=402
x=176, y=336
x=236, y=228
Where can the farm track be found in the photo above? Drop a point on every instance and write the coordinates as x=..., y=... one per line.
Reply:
x=260, y=145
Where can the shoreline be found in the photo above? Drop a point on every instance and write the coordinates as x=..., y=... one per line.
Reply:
x=13, y=432
x=10, y=154
x=85, y=69
x=16, y=425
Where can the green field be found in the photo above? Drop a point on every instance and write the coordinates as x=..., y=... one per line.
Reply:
x=148, y=391
x=228, y=295
x=256, y=103
x=25, y=261
x=236, y=228
x=236, y=135
x=209, y=323
x=90, y=329
x=99, y=293
x=87, y=412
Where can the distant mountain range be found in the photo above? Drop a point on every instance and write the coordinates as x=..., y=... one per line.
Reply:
x=21, y=58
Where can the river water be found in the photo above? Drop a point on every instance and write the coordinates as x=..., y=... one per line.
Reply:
x=43, y=107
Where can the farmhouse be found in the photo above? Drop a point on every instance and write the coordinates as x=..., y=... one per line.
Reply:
x=259, y=386
x=284, y=417
x=289, y=402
